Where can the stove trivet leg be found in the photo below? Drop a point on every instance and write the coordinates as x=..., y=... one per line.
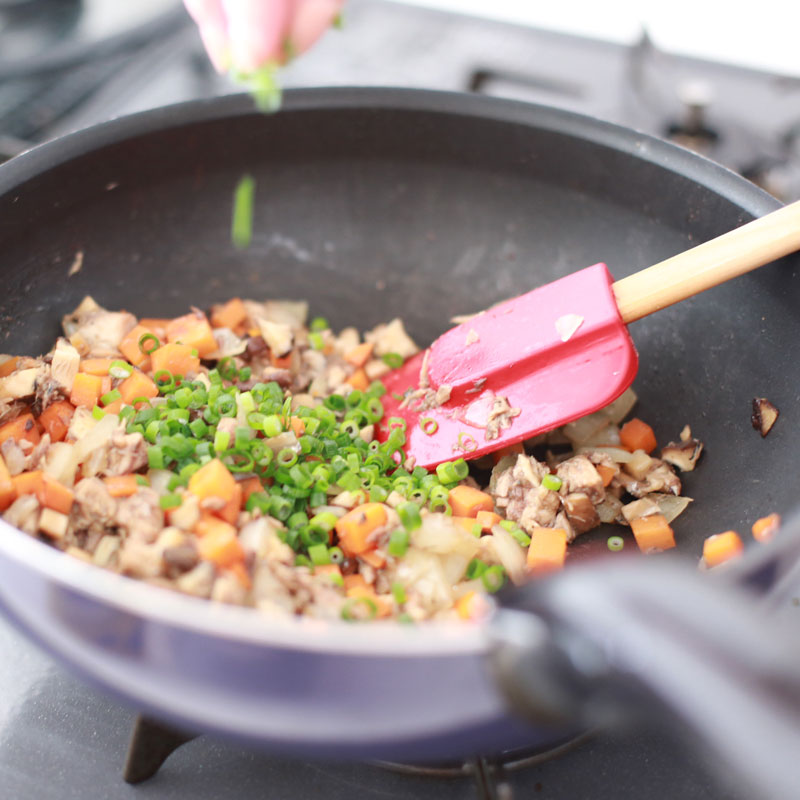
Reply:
x=151, y=745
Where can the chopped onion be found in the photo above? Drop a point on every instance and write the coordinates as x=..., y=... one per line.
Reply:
x=454, y=566
x=439, y=534
x=159, y=479
x=604, y=437
x=639, y=465
x=97, y=437
x=60, y=462
x=621, y=407
x=609, y=509
x=616, y=454
x=581, y=430
x=510, y=553
x=670, y=505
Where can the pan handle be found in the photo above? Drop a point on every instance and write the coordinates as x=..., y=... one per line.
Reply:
x=655, y=637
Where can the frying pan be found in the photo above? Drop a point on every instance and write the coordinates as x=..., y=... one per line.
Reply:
x=380, y=203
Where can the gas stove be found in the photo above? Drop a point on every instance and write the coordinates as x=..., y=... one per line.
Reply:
x=66, y=64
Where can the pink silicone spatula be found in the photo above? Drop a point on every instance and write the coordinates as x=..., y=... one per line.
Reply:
x=559, y=352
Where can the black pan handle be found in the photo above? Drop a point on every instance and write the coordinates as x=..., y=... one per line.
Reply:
x=655, y=636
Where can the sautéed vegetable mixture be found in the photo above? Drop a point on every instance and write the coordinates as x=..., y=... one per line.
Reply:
x=233, y=456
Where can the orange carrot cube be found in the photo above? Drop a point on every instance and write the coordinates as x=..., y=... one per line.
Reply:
x=55, y=495
x=213, y=480
x=467, y=502
x=547, y=550
x=86, y=390
x=8, y=492
x=637, y=435
x=230, y=511
x=192, y=330
x=29, y=483
x=121, y=485
x=23, y=427
x=229, y=315
x=487, y=520
x=360, y=354
x=606, y=473
x=356, y=525
x=766, y=527
x=96, y=366
x=137, y=384
x=722, y=547
x=177, y=359
x=129, y=346
x=156, y=324
x=653, y=533
x=358, y=380
x=218, y=542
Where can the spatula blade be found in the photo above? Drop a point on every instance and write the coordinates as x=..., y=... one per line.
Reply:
x=554, y=354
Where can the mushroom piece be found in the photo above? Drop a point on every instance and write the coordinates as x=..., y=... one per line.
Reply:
x=764, y=415
x=683, y=454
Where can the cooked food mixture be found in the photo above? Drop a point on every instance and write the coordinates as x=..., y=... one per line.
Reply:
x=233, y=456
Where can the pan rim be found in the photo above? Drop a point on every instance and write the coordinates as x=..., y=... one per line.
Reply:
x=163, y=606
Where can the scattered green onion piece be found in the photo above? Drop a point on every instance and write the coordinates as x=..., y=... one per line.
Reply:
x=318, y=553
x=475, y=569
x=336, y=555
x=170, y=501
x=221, y=441
x=242, y=221
x=493, y=578
x=286, y=457
x=399, y=593
x=316, y=341
x=429, y=425
x=552, y=482
x=302, y=561
x=398, y=542
x=409, y=516
x=155, y=457
x=466, y=442
x=98, y=413
x=145, y=342
x=319, y=324
x=521, y=537
x=110, y=397
x=350, y=610
x=393, y=360
x=142, y=481
x=615, y=543
x=120, y=369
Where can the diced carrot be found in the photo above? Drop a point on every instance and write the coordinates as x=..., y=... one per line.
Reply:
x=213, y=480
x=606, y=473
x=96, y=366
x=467, y=523
x=156, y=324
x=137, y=384
x=250, y=486
x=547, y=550
x=229, y=315
x=358, y=380
x=766, y=527
x=279, y=362
x=177, y=359
x=239, y=571
x=375, y=560
x=465, y=605
x=328, y=569
x=355, y=527
x=218, y=542
x=121, y=485
x=512, y=450
x=637, y=435
x=230, y=511
x=8, y=492
x=113, y=408
x=23, y=427
x=105, y=385
x=55, y=495
x=86, y=390
x=129, y=346
x=193, y=330
x=353, y=581
x=8, y=366
x=29, y=483
x=359, y=355
x=55, y=419
x=487, y=519
x=653, y=533
x=297, y=425
x=467, y=502
x=721, y=547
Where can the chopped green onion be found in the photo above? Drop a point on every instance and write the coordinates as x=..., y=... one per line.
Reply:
x=393, y=360
x=242, y=222
x=302, y=561
x=399, y=593
x=149, y=343
x=615, y=543
x=409, y=516
x=429, y=425
x=359, y=608
x=475, y=569
x=120, y=369
x=98, y=413
x=552, y=482
x=398, y=542
x=466, y=442
x=155, y=457
x=315, y=340
x=521, y=537
x=221, y=441
x=110, y=397
x=319, y=324
x=142, y=481
x=493, y=578
x=170, y=501
x=318, y=553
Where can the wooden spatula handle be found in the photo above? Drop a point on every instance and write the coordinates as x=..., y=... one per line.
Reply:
x=709, y=264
